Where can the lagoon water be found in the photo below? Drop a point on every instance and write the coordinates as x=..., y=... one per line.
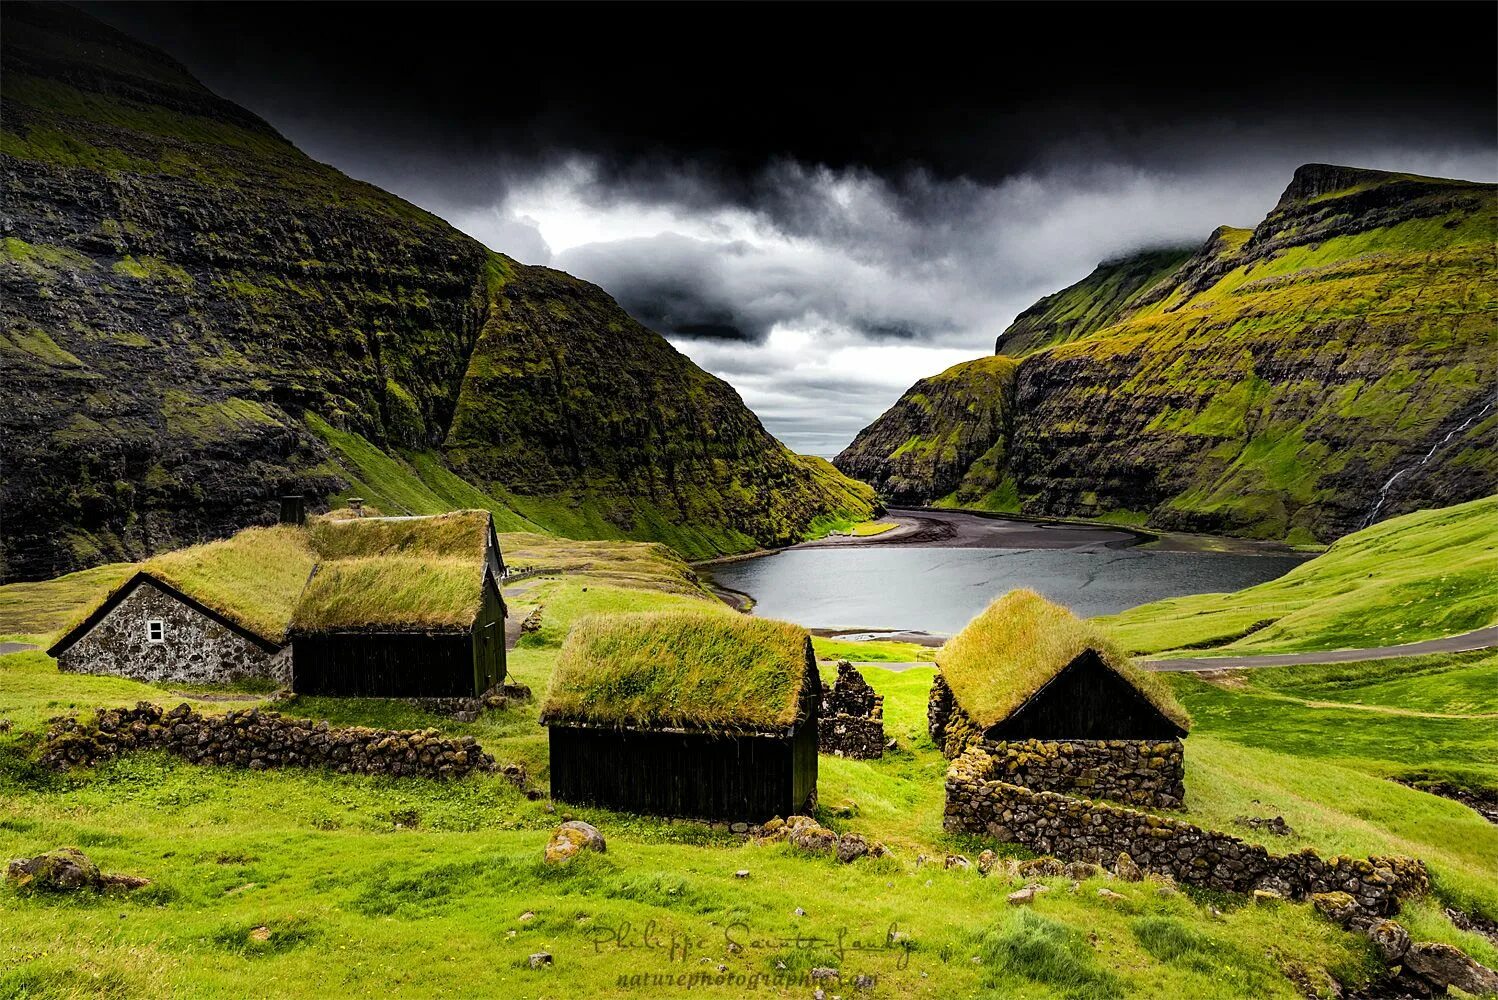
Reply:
x=939, y=589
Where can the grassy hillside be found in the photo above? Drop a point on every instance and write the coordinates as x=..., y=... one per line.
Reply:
x=939, y=436
x=1414, y=577
x=1097, y=301
x=201, y=317
x=296, y=882
x=1334, y=365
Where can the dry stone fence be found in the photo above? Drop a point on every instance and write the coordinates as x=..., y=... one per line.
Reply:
x=981, y=801
x=259, y=740
x=852, y=717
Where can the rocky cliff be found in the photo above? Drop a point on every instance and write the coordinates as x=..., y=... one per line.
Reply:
x=1337, y=364
x=939, y=436
x=197, y=317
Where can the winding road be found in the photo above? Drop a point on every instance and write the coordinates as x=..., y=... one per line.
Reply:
x=1483, y=638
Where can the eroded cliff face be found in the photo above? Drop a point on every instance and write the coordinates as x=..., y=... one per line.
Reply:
x=943, y=431
x=1335, y=364
x=196, y=317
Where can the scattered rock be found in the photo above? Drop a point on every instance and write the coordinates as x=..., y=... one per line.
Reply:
x=799, y=912
x=261, y=933
x=1110, y=895
x=956, y=861
x=864, y=982
x=1081, y=870
x=1022, y=897
x=741, y=873
x=1044, y=867
x=986, y=862
x=851, y=847
x=1275, y=825
x=812, y=838
x=1264, y=897
x=532, y=622
x=1444, y=966
x=516, y=775
x=527, y=915
x=823, y=972
x=540, y=960
x=1338, y=907
x=66, y=869
x=1390, y=939
x=572, y=838
x=1126, y=869
x=740, y=828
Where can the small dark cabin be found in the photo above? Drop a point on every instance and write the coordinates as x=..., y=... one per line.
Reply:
x=402, y=607
x=1029, y=669
x=702, y=715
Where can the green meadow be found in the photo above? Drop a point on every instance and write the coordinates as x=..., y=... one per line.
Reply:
x=302, y=883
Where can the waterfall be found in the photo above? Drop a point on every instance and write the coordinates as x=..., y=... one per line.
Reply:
x=1383, y=494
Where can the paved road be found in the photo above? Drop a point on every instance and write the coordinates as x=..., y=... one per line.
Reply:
x=1483, y=638
x=15, y=647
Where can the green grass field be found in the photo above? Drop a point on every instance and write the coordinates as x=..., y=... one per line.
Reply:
x=411, y=888
x=1424, y=575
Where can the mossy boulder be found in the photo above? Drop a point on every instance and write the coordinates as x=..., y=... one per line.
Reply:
x=571, y=839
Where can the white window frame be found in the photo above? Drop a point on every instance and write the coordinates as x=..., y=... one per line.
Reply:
x=155, y=630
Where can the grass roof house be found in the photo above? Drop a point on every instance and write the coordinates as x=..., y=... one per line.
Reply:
x=700, y=714
x=401, y=607
x=381, y=607
x=1029, y=669
x=213, y=613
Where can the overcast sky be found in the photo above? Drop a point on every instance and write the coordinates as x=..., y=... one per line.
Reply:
x=822, y=205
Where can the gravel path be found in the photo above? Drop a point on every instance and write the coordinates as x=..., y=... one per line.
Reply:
x=16, y=647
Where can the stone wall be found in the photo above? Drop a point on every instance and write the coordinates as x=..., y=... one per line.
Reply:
x=260, y=740
x=1077, y=829
x=1141, y=772
x=851, y=722
x=951, y=728
x=195, y=649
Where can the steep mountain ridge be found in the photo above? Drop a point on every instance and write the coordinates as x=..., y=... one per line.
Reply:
x=940, y=431
x=1336, y=364
x=197, y=317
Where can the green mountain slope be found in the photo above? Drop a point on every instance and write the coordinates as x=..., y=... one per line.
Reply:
x=1333, y=367
x=1419, y=576
x=1098, y=300
x=940, y=431
x=189, y=302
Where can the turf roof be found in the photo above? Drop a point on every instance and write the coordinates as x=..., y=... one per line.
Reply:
x=1018, y=644
x=366, y=574
x=680, y=670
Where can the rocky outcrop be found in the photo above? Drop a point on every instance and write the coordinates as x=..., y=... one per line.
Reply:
x=195, y=317
x=1334, y=365
x=260, y=741
x=924, y=446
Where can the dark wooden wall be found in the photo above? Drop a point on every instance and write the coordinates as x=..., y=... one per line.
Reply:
x=1087, y=701
x=749, y=778
x=489, y=639
x=386, y=665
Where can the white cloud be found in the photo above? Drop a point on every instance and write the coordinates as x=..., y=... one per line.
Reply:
x=826, y=293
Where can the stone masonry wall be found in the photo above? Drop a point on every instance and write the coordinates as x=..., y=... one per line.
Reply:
x=851, y=722
x=196, y=649
x=1076, y=829
x=1141, y=772
x=260, y=740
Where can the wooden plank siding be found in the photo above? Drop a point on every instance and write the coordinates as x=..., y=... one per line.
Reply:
x=698, y=775
x=1086, y=701
x=384, y=664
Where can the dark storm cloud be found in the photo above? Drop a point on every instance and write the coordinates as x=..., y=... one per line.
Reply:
x=823, y=203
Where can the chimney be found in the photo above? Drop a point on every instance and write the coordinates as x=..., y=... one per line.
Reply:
x=356, y=504
x=293, y=509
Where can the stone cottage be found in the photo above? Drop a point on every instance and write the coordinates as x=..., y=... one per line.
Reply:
x=1058, y=706
x=395, y=607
